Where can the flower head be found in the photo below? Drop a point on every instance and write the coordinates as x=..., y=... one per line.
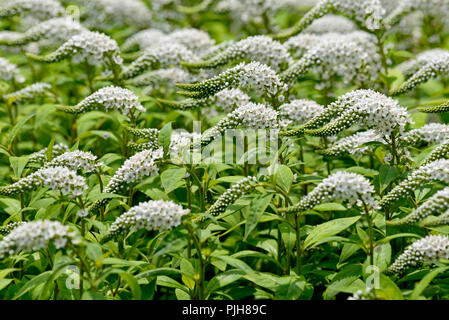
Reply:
x=55, y=178
x=429, y=249
x=256, y=48
x=109, y=98
x=159, y=215
x=433, y=171
x=253, y=75
x=35, y=235
x=348, y=187
x=9, y=71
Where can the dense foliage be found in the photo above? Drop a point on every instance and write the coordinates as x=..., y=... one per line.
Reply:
x=224, y=149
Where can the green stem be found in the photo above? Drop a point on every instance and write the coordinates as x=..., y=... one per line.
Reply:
x=299, y=249
x=197, y=244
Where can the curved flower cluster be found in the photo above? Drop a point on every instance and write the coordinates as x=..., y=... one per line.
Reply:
x=134, y=169
x=299, y=111
x=56, y=178
x=437, y=204
x=232, y=194
x=247, y=12
x=370, y=108
x=352, y=144
x=37, y=9
x=429, y=249
x=331, y=23
x=144, y=39
x=368, y=13
x=35, y=235
x=251, y=115
x=29, y=92
x=108, y=14
x=411, y=66
x=93, y=47
x=216, y=49
x=158, y=78
x=57, y=30
x=434, y=8
x=225, y=100
x=438, y=65
x=159, y=215
x=195, y=40
x=433, y=171
x=76, y=160
x=256, y=48
x=110, y=98
x=253, y=75
x=41, y=155
x=9, y=71
x=431, y=133
x=162, y=56
x=4, y=230
x=228, y=100
x=354, y=57
x=343, y=186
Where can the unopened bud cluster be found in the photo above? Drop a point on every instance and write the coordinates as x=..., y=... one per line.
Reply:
x=437, y=204
x=41, y=155
x=434, y=171
x=253, y=75
x=353, y=144
x=232, y=194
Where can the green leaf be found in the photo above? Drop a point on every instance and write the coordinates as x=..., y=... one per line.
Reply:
x=284, y=177
x=288, y=235
x=18, y=164
x=188, y=274
x=170, y=178
x=49, y=153
x=382, y=256
x=164, y=137
x=347, y=285
x=133, y=284
x=331, y=206
x=13, y=133
x=386, y=175
x=4, y=283
x=236, y=263
x=223, y=279
x=290, y=288
x=158, y=272
x=388, y=289
x=256, y=210
x=425, y=281
x=33, y=283
x=328, y=229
